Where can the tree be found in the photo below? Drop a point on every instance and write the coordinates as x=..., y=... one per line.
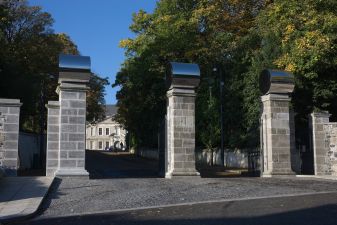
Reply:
x=299, y=37
x=29, y=60
x=25, y=34
x=210, y=137
x=203, y=32
x=240, y=37
x=95, y=98
x=141, y=102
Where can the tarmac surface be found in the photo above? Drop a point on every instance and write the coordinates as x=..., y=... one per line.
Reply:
x=122, y=181
x=124, y=189
x=319, y=209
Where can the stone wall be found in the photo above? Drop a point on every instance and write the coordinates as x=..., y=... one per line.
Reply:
x=53, y=133
x=324, y=144
x=9, y=135
x=330, y=140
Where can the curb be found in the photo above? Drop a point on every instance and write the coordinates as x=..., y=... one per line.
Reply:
x=318, y=177
x=20, y=218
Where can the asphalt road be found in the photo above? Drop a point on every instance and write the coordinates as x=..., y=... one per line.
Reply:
x=103, y=164
x=112, y=191
x=319, y=209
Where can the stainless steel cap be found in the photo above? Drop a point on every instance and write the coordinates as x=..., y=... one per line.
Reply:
x=74, y=63
x=182, y=74
x=74, y=68
x=276, y=81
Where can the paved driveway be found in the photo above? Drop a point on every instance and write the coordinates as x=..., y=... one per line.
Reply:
x=319, y=209
x=104, y=164
x=126, y=182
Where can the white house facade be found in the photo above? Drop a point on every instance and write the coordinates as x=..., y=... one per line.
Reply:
x=105, y=134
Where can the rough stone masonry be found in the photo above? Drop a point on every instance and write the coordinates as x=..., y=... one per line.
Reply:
x=53, y=131
x=181, y=132
x=324, y=135
x=276, y=135
x=9, y=135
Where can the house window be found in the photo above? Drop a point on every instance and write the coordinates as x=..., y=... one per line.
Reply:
x=107, y=131
x=91, y=145
x=107, y=144
x=100, y=131
x=100, y=145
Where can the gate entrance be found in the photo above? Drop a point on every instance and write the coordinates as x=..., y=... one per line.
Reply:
x=66, y=120
x=304, y=145
x=102, y=164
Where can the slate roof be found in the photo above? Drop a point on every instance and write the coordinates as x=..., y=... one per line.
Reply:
x=110, y=110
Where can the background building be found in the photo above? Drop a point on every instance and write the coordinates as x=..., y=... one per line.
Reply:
x=106, y=134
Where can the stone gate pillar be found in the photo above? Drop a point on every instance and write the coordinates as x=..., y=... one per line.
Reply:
x=182, y=79
x=67, y=134
x=276, y=150
x=9, y=135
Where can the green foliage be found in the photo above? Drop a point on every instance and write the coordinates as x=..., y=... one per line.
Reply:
x=241, y=38
x=210, y=136
x=203, y=32
x=29, y=61
x=300, y=37
x=95, y=98
x=141, y=101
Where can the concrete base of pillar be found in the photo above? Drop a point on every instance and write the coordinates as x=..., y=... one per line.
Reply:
x=176, y=174
x=290, y=173
x=279, y=174
x=183, y=174
x=71, y=173
x=266, y=175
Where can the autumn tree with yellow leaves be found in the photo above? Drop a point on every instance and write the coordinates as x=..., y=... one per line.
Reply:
x=299, y=37
x=241, y=38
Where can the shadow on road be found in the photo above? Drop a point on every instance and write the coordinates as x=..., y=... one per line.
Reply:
x=313, y=216
x=106, y=165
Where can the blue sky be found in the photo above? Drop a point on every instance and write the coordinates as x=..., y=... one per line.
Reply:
x=97, y=26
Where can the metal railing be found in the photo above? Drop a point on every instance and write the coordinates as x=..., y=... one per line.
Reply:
x=254, y=162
